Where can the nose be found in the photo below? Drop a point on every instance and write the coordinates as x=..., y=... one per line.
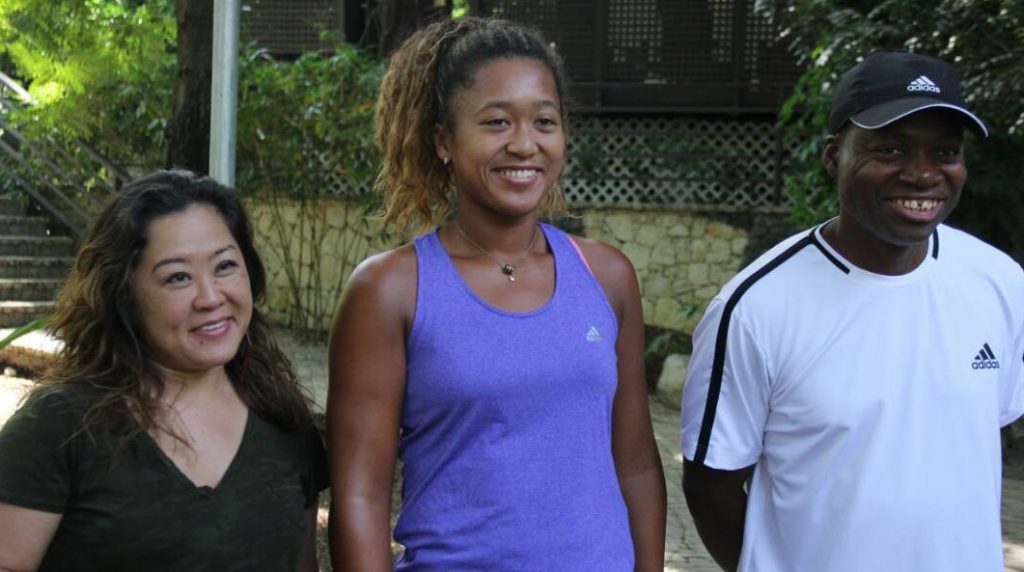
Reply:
x=922, y=171
x=522, y=143
x=208, y=294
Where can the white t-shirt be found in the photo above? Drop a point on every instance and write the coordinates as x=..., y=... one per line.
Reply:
x=870, y=404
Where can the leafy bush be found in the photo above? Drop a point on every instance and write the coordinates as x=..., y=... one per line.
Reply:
x=100, y=70
x=305, y=124
x=305, y=130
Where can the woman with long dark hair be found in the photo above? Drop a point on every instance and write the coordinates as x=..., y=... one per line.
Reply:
x=170, y=432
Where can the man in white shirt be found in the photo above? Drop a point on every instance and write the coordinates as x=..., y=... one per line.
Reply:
x=846, y=391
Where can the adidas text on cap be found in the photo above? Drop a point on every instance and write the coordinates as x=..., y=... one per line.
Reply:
x=888, y=86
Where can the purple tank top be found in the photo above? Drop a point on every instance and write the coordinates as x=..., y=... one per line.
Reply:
x=506, y=426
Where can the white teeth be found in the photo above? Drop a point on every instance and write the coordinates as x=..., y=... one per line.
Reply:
x=918, y=205
x=210, y=327
x=519, y=173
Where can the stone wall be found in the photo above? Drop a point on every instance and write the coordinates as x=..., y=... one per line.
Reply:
x=310, y=249
x=682, y=258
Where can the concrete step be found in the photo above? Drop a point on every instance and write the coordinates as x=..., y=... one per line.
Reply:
x=11, y=225
x=35, y=266
x=15, y=314
x=11, y=207
x=36, y=246
x=29, y=289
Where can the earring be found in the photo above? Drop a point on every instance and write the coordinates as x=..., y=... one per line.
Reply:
x=445, y=161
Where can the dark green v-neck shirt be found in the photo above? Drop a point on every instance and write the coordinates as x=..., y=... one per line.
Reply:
x=142, y=512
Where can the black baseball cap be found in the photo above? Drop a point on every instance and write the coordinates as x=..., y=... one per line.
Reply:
x=888, y=86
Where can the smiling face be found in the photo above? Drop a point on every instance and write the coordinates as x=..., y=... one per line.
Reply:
x=505, y=141
x=896, y=184
x=191, y=291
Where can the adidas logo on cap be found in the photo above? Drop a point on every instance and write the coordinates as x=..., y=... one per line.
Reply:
x=923, y=84
x=985, y=359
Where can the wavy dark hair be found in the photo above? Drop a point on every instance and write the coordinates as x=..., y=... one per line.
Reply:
x=425, y=74
x=95, y=318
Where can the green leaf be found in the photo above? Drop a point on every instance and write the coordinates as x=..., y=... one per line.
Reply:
x=24, y=330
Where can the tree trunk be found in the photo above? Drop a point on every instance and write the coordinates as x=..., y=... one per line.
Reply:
x=188, y=132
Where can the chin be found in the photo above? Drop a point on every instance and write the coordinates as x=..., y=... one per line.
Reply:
x=212, y=359
x=519, y=210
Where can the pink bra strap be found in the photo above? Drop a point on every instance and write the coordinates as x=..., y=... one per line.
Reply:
x=580, y=252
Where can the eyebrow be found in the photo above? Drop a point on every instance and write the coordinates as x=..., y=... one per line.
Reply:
x=182, y=260
x=501, y=104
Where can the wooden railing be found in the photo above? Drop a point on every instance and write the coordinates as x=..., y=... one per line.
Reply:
x=65, y=177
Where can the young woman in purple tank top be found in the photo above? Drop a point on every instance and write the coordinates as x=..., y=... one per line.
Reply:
x=499, y=359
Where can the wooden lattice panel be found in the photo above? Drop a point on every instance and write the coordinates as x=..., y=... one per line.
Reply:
x=674, y=161
x=715, y=56
x=665, y=161
x=289, y=27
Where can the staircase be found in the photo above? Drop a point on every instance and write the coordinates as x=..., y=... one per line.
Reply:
x=33, y=264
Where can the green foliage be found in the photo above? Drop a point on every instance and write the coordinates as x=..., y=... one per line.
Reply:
x=101, y=70
x=984, y=38
x=991, y=206
x=24, y=330
x=301, y=121
x=305, y=128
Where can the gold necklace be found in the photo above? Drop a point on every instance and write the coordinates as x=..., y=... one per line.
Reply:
x=507, y=268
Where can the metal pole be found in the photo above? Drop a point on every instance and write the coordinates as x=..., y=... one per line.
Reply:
x=224, y=98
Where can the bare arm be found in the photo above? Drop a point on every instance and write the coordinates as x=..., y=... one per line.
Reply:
x=718, y=504
x=364, y=401
x=633, y=446
x=25, y=535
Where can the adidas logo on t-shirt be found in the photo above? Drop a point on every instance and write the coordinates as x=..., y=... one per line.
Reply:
x=923, y=84
x=985, y=359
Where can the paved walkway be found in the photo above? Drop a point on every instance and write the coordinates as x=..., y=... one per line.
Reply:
x=683, y=551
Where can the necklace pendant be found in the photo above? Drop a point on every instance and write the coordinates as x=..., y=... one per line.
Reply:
x=510, y=271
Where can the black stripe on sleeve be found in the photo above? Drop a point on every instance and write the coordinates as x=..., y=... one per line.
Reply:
x=831, y=257
x=718, y=363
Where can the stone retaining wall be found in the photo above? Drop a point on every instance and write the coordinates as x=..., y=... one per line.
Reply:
x=681, y=258
x=310, y=249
